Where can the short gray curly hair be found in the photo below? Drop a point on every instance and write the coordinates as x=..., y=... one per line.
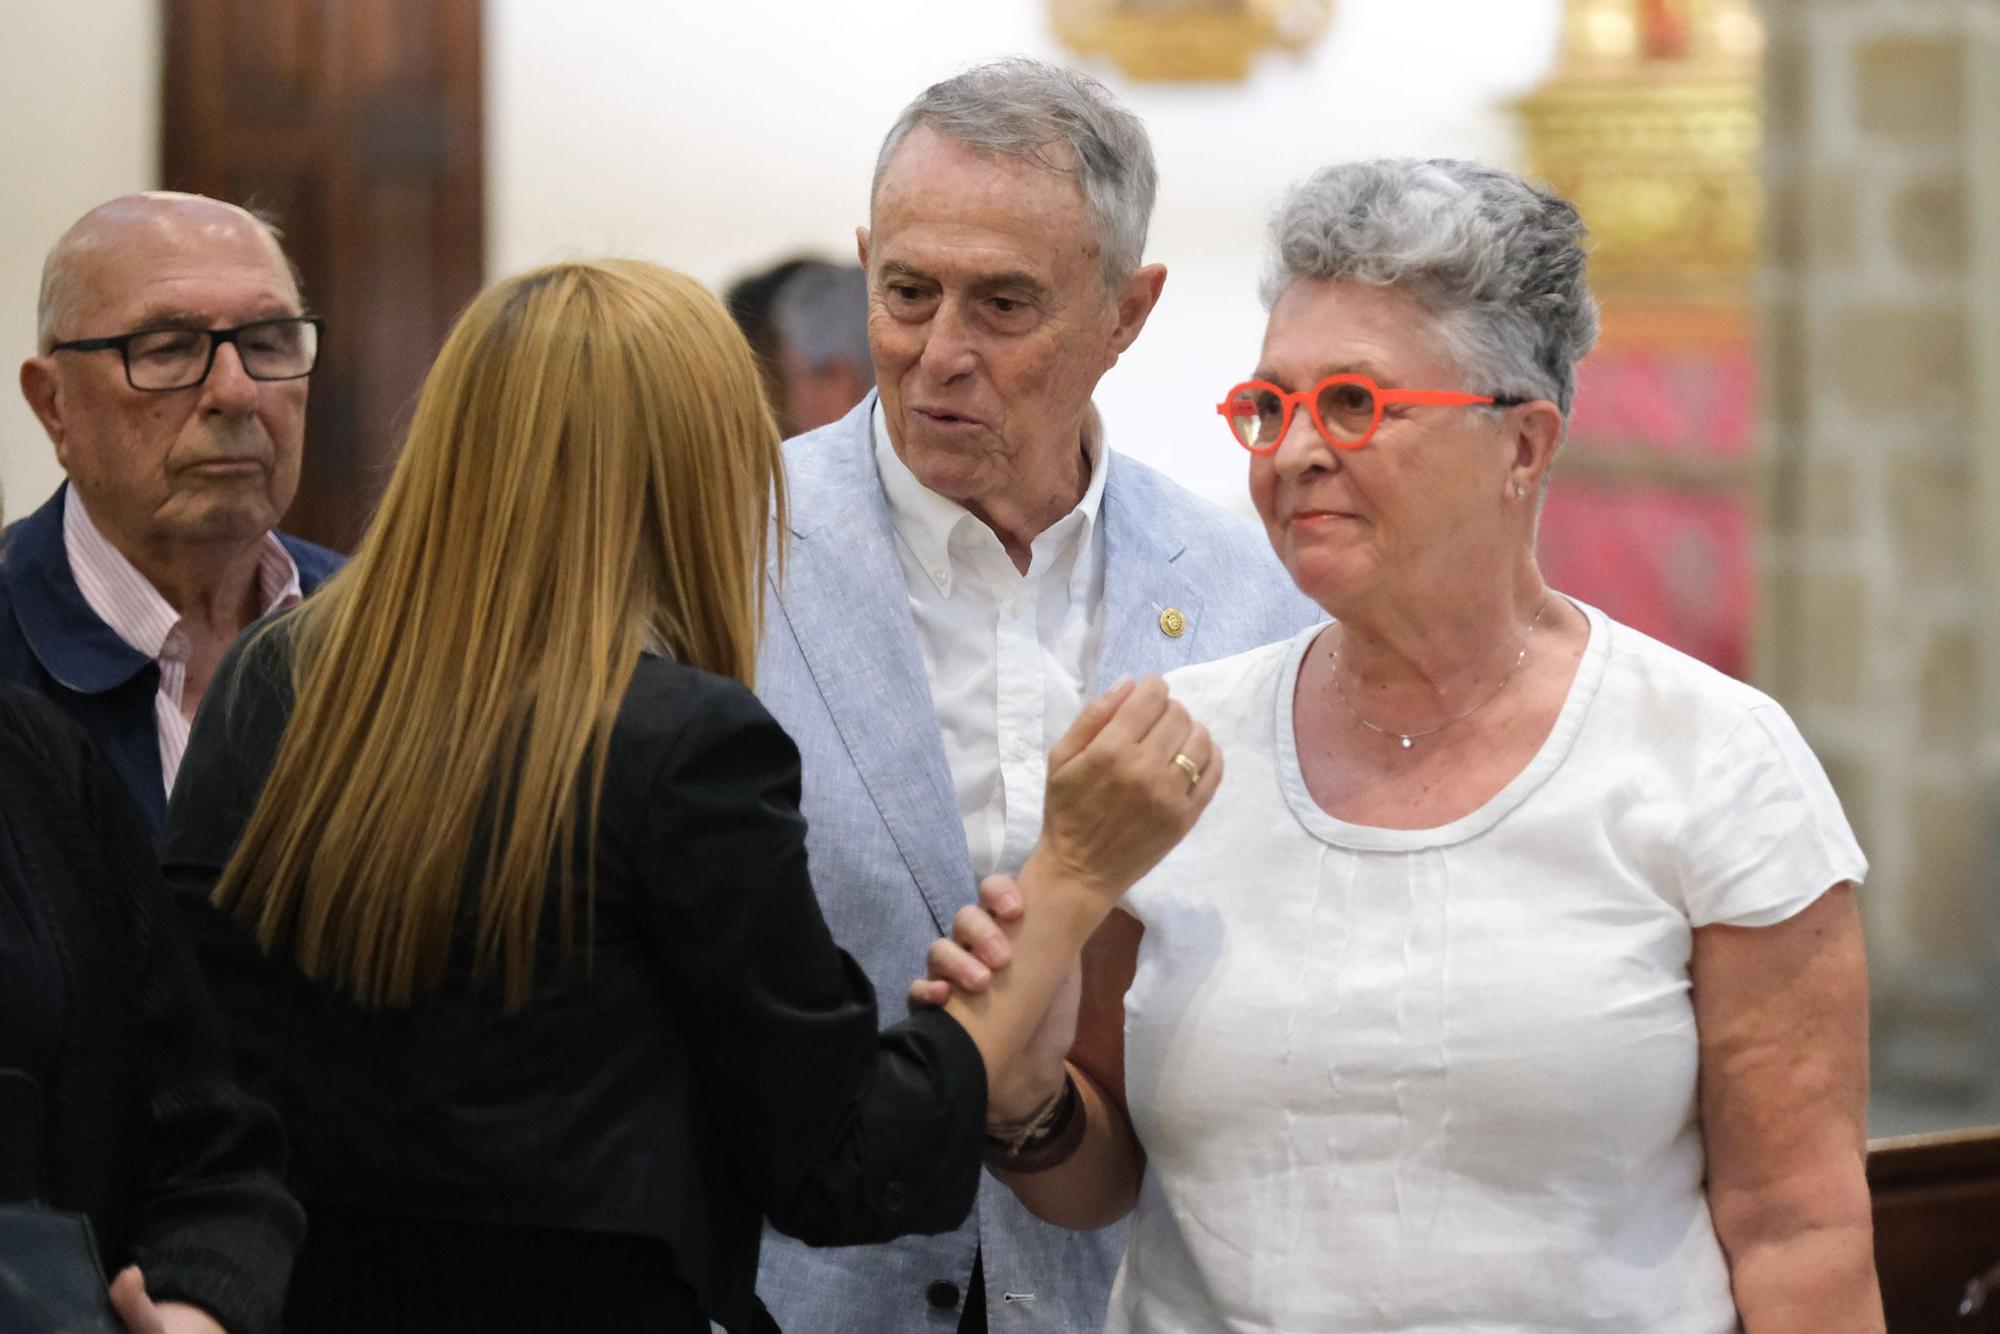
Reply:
x=1018, y=107
x=1498, y=262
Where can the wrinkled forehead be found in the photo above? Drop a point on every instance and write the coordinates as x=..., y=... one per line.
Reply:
x=944, y=202
x=212, y=265
x=940, y=171
x=1322, y=326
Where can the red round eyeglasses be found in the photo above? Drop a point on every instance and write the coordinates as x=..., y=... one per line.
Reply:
x=1346, y=409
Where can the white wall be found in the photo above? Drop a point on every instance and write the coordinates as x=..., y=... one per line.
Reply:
x=79, y=123
x=716, y=137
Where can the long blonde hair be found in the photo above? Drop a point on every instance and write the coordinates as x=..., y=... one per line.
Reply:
x=591, y=470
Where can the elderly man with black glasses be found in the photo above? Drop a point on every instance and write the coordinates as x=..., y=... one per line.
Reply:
x=172, y=360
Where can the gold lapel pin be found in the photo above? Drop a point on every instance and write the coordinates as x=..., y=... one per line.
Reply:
x=1172, y=624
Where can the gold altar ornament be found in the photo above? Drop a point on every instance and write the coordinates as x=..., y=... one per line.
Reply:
x=1188, y=41
x=1650, y=125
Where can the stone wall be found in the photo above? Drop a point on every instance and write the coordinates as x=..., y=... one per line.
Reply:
x=1880, y=572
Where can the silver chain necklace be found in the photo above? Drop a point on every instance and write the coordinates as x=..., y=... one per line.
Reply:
x=1410, y=738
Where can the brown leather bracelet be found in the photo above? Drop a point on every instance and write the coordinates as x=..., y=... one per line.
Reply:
x=1051, y=1145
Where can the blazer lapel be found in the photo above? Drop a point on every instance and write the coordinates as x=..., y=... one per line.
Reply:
x=844, y=598
x=1146, y=595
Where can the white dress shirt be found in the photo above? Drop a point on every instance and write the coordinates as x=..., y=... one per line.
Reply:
x=1009, y=655
x=126, y=600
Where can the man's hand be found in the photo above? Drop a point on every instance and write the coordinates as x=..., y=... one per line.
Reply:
x=977, y=949
x=143, y=1316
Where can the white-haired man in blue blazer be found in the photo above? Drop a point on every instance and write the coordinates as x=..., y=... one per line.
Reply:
x=969, y=564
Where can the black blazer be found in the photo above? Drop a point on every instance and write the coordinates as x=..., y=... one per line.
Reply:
x=717, y=1064
x=53, y=644
x=143, y=1129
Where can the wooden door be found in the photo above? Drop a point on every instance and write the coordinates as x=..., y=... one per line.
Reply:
x=356, y=123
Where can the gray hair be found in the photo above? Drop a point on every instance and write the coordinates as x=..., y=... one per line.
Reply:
x=58, y=295
x=1497, y=262
x=1019, y=107
x=821, y=314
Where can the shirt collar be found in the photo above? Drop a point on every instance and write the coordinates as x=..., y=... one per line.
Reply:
x=126, y=600
x=926, y=520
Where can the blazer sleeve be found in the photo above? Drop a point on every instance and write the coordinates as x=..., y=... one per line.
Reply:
x=211, y=1223
x=841, y=1134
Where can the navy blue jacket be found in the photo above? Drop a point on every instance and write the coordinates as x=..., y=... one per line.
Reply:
x=53, y=644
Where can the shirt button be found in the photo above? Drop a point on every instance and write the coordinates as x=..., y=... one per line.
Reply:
x=942, y=1293
x=938, y=577
x=893, y=1197
x=1020, y=750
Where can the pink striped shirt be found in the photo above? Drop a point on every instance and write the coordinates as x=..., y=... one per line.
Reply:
x=126, y=600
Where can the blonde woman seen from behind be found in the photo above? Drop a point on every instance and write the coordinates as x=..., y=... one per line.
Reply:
x=500, y=878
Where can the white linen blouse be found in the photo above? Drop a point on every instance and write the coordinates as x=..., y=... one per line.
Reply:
x=1444, y=1079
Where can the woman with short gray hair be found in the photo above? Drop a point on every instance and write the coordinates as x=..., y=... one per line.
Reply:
x=1513, y=980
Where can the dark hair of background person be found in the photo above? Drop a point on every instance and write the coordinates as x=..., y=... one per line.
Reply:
x=749, y=300
x=819, y=322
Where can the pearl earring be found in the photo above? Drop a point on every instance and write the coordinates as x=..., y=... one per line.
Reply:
x=1519, y=491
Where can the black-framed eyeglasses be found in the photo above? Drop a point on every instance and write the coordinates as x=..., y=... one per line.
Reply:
x=157, y=360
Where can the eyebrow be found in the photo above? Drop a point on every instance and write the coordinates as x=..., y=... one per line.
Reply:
x=1015, y=278
x=178, y=317
x=1026, y=282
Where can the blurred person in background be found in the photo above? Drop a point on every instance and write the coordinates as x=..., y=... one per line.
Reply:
x=170, y=373
x=749, y=300
x=820, y=318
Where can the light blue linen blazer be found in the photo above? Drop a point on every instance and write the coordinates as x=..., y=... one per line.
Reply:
x=842, y=672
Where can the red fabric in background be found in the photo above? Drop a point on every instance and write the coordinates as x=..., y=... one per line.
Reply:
x=1673, y=564
x=1684, y=401
x=1673, y=561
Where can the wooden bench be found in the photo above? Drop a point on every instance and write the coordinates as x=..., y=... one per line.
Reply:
x=1937, y=1231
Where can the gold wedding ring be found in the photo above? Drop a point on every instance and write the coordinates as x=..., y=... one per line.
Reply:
x=1190, y=768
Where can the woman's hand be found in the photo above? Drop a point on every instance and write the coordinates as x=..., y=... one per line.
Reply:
x=143, y=1316
x=1125, y=783
x=966, y=961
